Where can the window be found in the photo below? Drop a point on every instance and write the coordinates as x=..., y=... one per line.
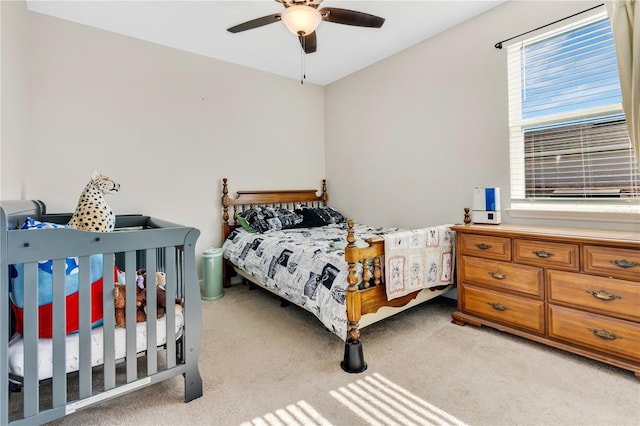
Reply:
x=567, y=131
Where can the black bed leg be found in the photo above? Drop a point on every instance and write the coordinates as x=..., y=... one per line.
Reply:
x=353, y=358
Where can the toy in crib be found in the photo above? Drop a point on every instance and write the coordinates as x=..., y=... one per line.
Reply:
x=141, y=302
x=119, y=303
x=92, y=212
x=45, y=288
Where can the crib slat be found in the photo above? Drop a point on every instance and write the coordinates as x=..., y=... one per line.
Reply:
x=170, y=319
x=59, y=334
x=109, y=324
x=152, y=338
x=30, y=333
x=84, y=293
x=130, y=312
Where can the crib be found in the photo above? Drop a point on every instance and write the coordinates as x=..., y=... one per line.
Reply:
x=108, y=361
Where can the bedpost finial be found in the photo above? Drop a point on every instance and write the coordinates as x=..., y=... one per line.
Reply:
x=325, y=196
x=351, y=238
x=225, y=202
x=467, y=218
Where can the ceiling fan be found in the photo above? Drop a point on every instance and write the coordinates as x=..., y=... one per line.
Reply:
x=302, y=17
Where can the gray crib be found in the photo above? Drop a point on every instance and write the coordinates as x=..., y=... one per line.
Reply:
x=138, y=242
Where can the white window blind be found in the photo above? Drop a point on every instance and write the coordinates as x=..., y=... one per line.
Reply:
x=568, y=136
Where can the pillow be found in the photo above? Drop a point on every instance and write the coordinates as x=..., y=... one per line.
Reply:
x=265, y=219
x=45, y=271
x=319, y=216
x=45, y=288
x=245, y=225
x=288, y=218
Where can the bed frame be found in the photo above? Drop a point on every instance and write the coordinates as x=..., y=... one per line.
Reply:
x=364, y=306
x=138, y=241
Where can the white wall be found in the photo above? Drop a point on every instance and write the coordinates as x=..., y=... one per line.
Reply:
x=13, y=87
x=404, y=140
x=167, y=125
x=409, y=137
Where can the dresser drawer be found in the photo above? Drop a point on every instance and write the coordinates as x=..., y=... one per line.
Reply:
x=609, y=296
x=511, y=310
x=614, y=262
x=485, y=246
x=547, y=254
x=502, y=275
x=613, y=336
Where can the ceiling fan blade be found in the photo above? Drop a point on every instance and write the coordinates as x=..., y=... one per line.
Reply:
x=350, y=17
x=255, y=23
x=309, y=42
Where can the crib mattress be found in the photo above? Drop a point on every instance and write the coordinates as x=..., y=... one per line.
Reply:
x=45, y=347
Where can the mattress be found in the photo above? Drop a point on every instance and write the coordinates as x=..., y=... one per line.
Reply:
x=45, y=347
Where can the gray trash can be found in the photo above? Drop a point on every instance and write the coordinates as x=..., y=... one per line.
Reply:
x=212, y=274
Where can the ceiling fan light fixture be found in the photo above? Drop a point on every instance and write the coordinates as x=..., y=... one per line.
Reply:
x=301, y=20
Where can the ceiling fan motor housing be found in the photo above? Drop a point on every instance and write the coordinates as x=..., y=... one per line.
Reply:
x=312, y=3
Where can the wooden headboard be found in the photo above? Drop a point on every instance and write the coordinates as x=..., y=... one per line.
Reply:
x=286, y=198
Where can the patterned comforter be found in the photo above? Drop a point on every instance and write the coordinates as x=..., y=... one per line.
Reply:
x=304, y=265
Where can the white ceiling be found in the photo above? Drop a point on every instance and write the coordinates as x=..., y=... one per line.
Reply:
x=200, y=27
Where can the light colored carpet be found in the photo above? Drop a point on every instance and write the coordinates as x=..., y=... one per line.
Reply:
x=264, y=364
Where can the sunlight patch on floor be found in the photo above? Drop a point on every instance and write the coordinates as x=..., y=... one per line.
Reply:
x=298, y=414
x=378, y=401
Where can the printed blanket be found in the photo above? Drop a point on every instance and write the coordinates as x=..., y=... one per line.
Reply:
x=304, y=265
x=418, y=259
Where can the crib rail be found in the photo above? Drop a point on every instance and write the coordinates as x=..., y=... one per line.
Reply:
x=146, y=243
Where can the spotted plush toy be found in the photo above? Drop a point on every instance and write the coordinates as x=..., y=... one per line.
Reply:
x=93, y=213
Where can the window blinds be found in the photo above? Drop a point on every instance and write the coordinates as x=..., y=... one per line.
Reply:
x=589, y=159
x=568, y=134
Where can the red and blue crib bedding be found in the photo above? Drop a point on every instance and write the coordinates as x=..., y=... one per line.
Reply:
x=45, y=288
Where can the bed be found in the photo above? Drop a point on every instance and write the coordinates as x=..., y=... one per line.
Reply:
x=332, y=268
x=53, y=369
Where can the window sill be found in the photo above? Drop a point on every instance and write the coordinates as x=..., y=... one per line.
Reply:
x=629, y=215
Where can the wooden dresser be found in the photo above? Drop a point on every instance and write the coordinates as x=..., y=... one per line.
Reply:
x=574, y=289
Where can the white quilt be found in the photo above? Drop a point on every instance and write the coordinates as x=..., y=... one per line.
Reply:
x=417, y=259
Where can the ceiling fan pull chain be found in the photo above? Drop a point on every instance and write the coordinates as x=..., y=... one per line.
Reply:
x=303, y=73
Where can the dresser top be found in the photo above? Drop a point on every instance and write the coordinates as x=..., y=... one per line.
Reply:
x=626, y=238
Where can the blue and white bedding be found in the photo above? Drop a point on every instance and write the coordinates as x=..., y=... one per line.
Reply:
x=304, y=265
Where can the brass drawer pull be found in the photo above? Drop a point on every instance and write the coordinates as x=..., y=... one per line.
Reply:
x=498, y=275
x=497, y=306
x=603, y=295
x=624, y=263
x=483, y=246
x=604, y=334
x=542, y=254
